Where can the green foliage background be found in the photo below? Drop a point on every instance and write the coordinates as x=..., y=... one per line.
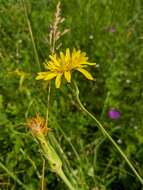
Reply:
x=111, y=32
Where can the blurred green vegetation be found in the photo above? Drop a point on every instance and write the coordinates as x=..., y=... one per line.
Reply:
x=111, y=32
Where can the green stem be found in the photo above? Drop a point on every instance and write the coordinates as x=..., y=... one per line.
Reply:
x=108, y=136
x=105, y=105
x=31, y=35
x=13, y=177
x=65, y=180
x=48, y=102
x=53, y=158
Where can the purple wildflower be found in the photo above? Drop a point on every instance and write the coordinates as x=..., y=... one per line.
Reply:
x=112, y=30
x=114, y=114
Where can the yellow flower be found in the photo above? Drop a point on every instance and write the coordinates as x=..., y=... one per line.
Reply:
x=63, y=65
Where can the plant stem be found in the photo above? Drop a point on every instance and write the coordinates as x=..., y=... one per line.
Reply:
x=66, y=181
x=43, y=175
x=108, y=136
x=48, y=102
x=105, y=105
x=53, y=159
x=31, y=35
x=13, y=177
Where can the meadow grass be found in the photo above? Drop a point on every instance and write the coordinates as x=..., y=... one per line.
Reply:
x=111, y=34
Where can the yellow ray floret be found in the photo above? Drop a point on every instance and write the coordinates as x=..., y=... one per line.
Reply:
x=63, y=65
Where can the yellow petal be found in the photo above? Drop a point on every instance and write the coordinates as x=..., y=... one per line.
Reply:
x=41, y=75
x=62, y=56
x=53, y=57
x=67, y=75
x=46, y=75
x=50, y=76
x=92, y=64
x=67, y=57
x=73, y=53
x=54, y=60
x=85, y=73
x=58, y=81
x=67, y=52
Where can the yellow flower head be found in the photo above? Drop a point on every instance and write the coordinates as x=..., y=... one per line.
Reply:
x=63, y=65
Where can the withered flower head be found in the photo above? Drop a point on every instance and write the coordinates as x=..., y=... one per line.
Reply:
x=38, y=125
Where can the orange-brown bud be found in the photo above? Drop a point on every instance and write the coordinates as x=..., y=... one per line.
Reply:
x=38, y=125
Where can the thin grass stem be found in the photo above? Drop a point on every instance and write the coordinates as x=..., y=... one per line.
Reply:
x=81, y=173
x=48, y=102
x=43, y=175
x=31, y=35
x=15, y=178
x=108, y=136
x=66, y=181
x=31, y=161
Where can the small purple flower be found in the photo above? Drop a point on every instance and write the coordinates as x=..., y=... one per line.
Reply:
x=112, y=30
x=114, y=114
